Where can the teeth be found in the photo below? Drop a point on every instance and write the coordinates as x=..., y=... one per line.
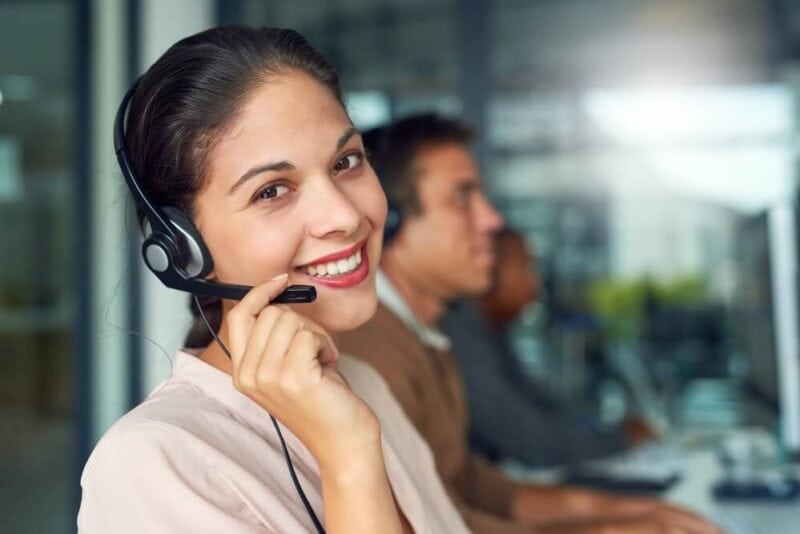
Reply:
x=334, y=268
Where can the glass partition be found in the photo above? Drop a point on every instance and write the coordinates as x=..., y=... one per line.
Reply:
x=37, y=300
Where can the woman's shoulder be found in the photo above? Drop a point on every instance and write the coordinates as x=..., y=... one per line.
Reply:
x=360, y=375
x=169, y=417
x=174, y=439
x=192, y=403
x=171, y=454
x=189, y=420
x=368, y=383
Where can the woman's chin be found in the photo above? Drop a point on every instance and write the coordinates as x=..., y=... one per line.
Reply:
x=345, y=316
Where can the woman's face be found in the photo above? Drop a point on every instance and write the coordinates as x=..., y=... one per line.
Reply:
x=289, y=190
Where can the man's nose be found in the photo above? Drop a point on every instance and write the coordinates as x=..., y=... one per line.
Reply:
x=489, y=218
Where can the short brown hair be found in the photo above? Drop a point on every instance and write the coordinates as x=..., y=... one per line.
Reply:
x=393, y=149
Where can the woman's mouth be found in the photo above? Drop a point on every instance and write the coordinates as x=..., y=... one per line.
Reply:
x=339, y=272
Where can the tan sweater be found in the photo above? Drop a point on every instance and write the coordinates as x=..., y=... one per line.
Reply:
x=429, y=387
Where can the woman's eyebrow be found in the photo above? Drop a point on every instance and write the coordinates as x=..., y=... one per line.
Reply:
x=280, y=166
x=258, y=169
x=345, y=138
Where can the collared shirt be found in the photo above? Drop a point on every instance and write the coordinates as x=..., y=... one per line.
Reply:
x=199, y=456
x=391, y=298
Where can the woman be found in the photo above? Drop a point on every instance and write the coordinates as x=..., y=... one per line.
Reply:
x=245, y=131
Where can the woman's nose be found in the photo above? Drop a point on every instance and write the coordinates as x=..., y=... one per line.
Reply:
x=333, y=212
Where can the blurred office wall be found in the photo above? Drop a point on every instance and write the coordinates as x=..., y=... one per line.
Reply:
x=71, y=321
x=38, y=301
x=639, y=144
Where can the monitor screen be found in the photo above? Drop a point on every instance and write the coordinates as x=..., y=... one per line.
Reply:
x=756, y=324
x=768, y=256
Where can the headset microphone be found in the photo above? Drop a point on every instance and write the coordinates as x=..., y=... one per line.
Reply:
x=173, y=248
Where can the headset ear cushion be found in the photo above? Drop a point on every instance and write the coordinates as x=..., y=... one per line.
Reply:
x=195, y=256
x=394, y=220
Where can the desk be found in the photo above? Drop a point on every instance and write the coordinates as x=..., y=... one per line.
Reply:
x=693, y=492
x=749, y=517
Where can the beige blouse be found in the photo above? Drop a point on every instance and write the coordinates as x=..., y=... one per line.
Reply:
x=199, y=456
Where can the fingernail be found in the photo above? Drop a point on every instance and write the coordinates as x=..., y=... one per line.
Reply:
x=280, y=277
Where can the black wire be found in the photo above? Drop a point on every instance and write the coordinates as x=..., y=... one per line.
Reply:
x=298, y=487
x=303, y=498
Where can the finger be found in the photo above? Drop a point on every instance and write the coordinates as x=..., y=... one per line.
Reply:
x=329, y=353
x=241, y=318
x=262, y=330
x=303, y=353
x=245, y=364
x=280, y=339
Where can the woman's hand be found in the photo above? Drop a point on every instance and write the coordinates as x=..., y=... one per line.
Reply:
x=287, y=364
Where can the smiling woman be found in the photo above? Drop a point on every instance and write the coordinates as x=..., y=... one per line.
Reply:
x=242, y=132
x=288, y=203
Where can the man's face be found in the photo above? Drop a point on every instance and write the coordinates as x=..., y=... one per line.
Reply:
x=449, y=247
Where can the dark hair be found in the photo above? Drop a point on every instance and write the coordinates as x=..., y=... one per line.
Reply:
x=189, y=97
x=505, y=239
x=393, y=150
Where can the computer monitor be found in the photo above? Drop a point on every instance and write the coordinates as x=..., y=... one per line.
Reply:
x=756, y=326
x=770, y=330
x=783, y=248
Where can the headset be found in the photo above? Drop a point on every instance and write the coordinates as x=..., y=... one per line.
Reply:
x=381, y=139
x=175, y=252
x=173, y=248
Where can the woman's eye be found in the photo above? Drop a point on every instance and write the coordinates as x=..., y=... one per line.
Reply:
x=348, y=162
x=272, y=192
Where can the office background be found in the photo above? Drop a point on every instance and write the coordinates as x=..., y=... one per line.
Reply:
x=646, y=148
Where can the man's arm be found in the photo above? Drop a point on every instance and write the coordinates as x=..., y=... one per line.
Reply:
x=507, y=421
x=565, y=510
x=512, y=415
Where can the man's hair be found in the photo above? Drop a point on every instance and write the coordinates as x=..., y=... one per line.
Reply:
x=393, y=150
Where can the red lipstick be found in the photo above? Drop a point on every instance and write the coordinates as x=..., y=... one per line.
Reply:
x=346, y=253
x=340, y=281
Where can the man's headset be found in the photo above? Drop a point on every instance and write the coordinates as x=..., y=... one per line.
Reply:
x=173, y=247
x=378, y=141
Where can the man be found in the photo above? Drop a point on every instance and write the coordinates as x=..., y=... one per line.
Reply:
x=511, y=415
x=444, y=249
